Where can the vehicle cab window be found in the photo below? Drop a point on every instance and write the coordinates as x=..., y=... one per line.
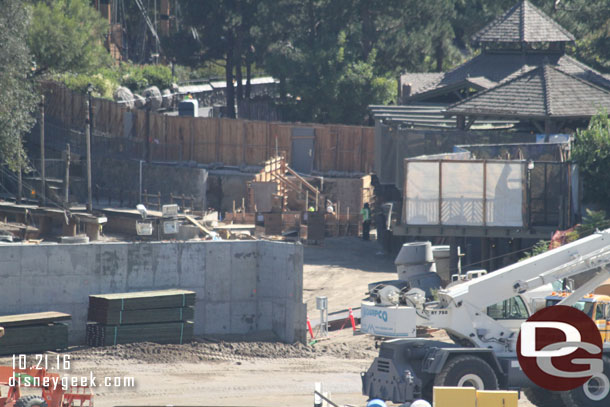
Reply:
x=513, y=308
x=599, y=312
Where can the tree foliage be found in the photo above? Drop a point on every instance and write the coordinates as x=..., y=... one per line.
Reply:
x=335, y=57
x=67, y=36
x=17, y=97
x=589, y=21
x=591, y=151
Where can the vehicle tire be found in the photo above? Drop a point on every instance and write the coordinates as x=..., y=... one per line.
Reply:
x=543, y=398
x=31, y=401
x=590, y=394
x=467, y=371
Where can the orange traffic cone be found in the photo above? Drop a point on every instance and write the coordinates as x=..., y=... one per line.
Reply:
x=309, y=328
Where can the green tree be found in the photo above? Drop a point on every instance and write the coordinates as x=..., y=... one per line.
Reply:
x=589, y=21
x=17, y=97
x=67, y=36
x=591, y=151
x=540, y=247
x=215, y=31
x=316, y=50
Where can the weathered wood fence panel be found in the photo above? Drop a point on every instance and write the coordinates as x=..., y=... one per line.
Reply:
x=208, y=140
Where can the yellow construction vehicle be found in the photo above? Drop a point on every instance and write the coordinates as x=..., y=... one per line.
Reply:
x=596, y=306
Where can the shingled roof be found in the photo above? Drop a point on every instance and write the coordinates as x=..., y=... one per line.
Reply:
x=523, y=23
x=543, y=92
x=500, y=67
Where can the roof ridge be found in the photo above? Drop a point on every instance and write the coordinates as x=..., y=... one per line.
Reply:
x=502, y=28
x=550, y=20
x=553, y=87
x=493, y=23
x=502, y=84
x=522, y=21
x=584, y=81
x=546, y=89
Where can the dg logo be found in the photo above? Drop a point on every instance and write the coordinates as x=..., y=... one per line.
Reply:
x=560, y=349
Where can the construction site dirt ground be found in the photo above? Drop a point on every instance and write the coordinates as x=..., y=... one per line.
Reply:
x=212, y=372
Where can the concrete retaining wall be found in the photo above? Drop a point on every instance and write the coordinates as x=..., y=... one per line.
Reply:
x=111, y=176
x=242, y=286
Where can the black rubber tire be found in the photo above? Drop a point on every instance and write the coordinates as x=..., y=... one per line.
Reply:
x=578, y=398
x=543, y=398
x=459, y=366
x=31, y=401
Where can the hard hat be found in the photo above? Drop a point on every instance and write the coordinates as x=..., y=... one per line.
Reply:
x=376, y=403
x=420, y=403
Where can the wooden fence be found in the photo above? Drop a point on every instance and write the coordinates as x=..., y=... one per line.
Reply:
x=212, y=140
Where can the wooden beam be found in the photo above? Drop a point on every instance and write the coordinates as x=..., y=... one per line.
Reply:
x=197, y=224
x=303, y=180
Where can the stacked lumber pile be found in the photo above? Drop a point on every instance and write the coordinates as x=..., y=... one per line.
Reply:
x=149, y=316
x=37, y=332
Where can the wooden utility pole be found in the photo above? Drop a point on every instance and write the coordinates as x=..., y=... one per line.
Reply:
x=43, y=179
x=67, y=177
x=88, y=147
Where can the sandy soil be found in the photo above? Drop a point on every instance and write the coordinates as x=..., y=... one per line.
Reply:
x=341, y=270
x=211, y=372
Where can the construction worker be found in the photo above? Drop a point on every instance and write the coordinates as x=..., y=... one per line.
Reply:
x=329, y=207
x=311, y=209
x=366, y=221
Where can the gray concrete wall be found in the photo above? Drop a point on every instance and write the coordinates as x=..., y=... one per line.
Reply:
x=242, y=286
x=225, y=186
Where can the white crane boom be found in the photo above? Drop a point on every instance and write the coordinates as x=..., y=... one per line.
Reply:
x=462, y=309
x=563, y=262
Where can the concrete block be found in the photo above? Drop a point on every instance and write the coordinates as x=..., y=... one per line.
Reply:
x=244, y=265
x=10, y=260
x=52, y=290
x=291, y=312
x=200, y=313
x=140, y=268
x=111, y=267
x=300, y=323
x=267, y=285
x=34, y=260
x=217, y=318
x=71, y=260
x=243, y=317
x=278, y=319
x=192, y=265
x=296, y=268
x=217, y=274
x=241, y=286
x=274, y=268
x=264, y=315
x=166, y=266
x=12, y=295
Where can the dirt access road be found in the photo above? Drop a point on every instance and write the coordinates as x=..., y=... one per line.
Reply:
x=209, y=372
